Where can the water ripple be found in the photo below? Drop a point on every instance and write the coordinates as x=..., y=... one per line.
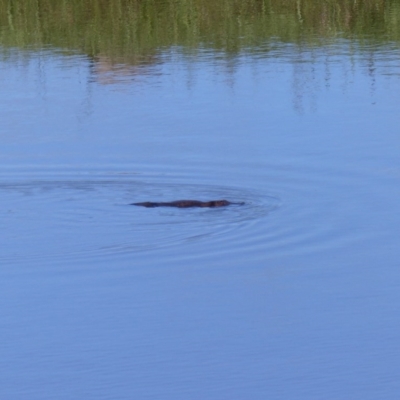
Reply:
x=75, y=219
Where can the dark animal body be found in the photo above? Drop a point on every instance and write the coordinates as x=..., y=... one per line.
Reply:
x=187, y=203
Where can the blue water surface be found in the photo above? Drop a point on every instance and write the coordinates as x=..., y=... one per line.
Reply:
x=294, y=295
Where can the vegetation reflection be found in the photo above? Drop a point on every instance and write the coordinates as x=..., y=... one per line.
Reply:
x=136, y=30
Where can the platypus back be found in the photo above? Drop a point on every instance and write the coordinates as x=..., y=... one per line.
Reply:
x=186, y=203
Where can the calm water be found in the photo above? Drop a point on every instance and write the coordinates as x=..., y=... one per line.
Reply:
x=294, y=295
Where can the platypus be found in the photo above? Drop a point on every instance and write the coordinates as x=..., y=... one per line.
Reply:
x=187, y=203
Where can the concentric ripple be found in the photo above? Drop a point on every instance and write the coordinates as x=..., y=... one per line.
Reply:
x=74, y=218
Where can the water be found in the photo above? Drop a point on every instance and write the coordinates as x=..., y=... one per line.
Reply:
x=293, y=295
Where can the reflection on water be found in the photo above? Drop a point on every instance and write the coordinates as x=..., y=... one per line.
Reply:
x=289, y=106
x=109, y=71
x=128, y=40
x=130, y=29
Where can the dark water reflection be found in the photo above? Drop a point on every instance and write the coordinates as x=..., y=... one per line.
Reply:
x=293, y=295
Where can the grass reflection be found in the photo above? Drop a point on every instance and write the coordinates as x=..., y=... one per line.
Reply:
x=133, y=31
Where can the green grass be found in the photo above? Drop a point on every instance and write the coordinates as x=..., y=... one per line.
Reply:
x=129, y=30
